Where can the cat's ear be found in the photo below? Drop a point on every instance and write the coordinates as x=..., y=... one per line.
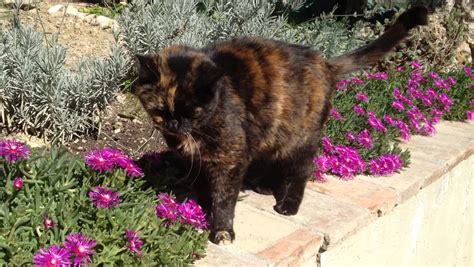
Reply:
x=207, y=74
x=149, y=67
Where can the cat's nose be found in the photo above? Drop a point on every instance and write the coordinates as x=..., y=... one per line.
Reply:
x=172, y=125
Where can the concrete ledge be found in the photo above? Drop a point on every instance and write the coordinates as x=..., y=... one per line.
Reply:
x=404, y=219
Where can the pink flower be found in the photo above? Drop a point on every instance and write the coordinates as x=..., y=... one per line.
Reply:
x=398, y=105
x=327, y=145
x=389, y=120
x=350, y=136
x=415, y=64
x=385, y=164
x=470, y=115
x=131, y=167
x=319, y=177
x=356, y=80
x=452, y=80
x=399, y=69
x=54, y=256
x=99, y=160
x=362, y=97
x=104, y=198
x=434, y=75
x=13, y=150
x=134, y=242
x=359, y=110
x=81, y=247
x=365, y=140
x=18, y=183
x=468, y=71
x=191, y=213
x=383, y=76
x=342, y=85
x=375, y=123
x=323, y=163
x=404, y=130
x=48, y=223
x=167, y=208
x=335, y=114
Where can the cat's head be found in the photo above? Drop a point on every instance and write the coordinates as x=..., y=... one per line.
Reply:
x=177, y=88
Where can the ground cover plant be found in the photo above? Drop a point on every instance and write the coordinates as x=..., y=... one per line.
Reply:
x=373, y=112
x=64, y=209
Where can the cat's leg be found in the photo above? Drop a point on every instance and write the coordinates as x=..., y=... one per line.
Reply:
x=225, y=182
x=293, y=173
x=258, y=177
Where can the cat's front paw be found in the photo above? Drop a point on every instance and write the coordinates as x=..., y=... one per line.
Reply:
x=287, y=207
x=222, y=237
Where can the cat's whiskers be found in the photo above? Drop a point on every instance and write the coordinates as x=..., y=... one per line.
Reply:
x=196, y=146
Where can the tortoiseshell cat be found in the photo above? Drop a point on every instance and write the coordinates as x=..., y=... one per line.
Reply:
x=250, y=101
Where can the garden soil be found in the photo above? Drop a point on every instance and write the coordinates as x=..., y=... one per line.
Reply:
x=124, y=125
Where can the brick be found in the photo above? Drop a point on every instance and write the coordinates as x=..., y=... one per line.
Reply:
x=320, y=212
x=226, y=256
x=256, y=230
x=359, y=192
x=294, y=249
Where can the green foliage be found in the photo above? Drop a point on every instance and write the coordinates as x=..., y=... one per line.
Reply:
x=110, y=12
x=462, y=94
x=148, y=26
x=43, y=98
x=57, y=185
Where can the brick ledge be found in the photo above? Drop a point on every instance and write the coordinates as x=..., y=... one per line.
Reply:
x=335, y=210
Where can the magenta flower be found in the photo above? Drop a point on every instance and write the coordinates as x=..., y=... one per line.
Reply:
x=359, y=110
x=399, y=69
x=99, y=160
x=362, y=97
x=470, y=115
x=191, y=213
x=434, y=75
x=324, y=163
x=431, y=94
x=452, y=80
x=81, y=247
x=14, y=150
x=471, y=103
x=389, y=120
x=375, y=123
x=415, y=64
x=468, y=71
x=131, y=168
x=319, y=177
x=356, y=80
x=437, y=114
x=104, y=198
x=52, y=257
x=365, y=140
x=383, y=76
x=18, y=183
x=48, y=223
x=342, y=85
x=327, y=145
x=335, y=114
x=385, y=164
x=167, y=209
x=398, y=105
x=350, y=136
x=134, y=242
x=404, y=130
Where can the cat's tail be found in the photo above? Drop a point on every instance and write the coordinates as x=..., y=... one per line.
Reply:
x=374, y=51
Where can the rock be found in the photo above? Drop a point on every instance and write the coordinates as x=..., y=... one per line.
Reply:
x=104, y=22
x=55, y=9
x=89, y=18
x=25, y=4
x=463, y=54
x=72, y=11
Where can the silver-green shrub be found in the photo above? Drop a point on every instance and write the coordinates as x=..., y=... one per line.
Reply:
x=148, y=26
x=43, y=98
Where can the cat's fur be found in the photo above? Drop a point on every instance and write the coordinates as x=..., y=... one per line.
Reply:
x=250, y=101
